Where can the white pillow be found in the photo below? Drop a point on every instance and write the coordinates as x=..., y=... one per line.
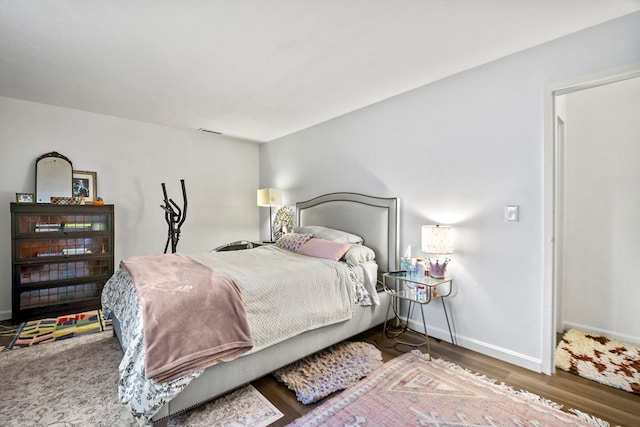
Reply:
x=330, y=234
x=358, y=254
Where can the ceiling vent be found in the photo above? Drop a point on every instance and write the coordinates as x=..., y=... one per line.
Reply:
x=210, y=131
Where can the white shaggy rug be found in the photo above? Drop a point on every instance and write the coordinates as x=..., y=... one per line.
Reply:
x=607, y=361
x=329, y=370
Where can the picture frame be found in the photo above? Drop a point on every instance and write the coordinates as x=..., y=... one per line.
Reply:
x=84, y=183
x=25, y=198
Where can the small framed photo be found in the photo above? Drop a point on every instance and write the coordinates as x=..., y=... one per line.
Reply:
x=85, y=184
x=25, y=198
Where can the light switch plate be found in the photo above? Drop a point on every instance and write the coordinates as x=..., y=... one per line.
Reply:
x=512, y=213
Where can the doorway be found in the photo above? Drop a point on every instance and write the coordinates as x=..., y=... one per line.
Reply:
x=593, y=211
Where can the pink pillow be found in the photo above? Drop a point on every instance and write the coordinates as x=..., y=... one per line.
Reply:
x=321, y=248
x=293, y=241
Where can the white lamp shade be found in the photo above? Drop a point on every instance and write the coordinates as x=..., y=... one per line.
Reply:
x=269, y=197
x=437, y=239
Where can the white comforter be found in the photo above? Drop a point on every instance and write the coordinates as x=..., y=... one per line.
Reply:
x=284, y=293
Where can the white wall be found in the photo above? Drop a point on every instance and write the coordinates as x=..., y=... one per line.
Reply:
x=602, y=211
x=456, y=152
x=132, y=159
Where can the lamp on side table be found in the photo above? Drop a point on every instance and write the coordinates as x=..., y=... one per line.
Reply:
x=270, y=197
x=437, y=240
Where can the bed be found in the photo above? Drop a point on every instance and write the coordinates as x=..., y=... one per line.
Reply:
x=375, y=219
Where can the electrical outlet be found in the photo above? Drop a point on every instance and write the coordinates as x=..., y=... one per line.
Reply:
x=512, y=213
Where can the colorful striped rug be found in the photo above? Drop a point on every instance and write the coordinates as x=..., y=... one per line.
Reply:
x=59, y=328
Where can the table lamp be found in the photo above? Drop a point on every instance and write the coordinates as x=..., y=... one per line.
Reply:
x=437, y=240
x=270, y=197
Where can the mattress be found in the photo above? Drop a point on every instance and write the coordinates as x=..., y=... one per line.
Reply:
x=285, y=294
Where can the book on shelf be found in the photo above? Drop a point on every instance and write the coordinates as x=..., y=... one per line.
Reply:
x=47, y=226
x=42, y=254
x=76, y=251
x=78, y=225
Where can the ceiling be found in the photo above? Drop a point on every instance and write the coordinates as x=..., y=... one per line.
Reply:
x=262, y=69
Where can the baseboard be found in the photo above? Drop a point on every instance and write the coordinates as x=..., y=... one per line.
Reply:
x=605, y=333
x=496, y=352
x=5, y=314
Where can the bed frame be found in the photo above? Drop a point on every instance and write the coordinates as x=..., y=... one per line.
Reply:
x=377, y=221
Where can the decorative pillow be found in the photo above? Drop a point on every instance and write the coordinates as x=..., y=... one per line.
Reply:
x=332, y=234
x=293, y=241
x=320, y=248
x=357, y=254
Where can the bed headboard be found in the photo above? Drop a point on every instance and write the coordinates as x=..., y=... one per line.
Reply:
x=375, y=219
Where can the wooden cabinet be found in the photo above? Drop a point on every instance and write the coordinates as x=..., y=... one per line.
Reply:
x=61, y=256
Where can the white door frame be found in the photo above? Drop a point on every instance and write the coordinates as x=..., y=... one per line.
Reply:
x=551, y=219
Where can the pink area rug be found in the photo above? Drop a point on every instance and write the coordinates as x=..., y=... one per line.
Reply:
x=413, y=390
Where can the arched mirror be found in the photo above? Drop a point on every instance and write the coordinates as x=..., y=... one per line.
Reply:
x=54, y=173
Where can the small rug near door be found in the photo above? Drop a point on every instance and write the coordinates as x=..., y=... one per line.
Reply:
x=412, y=390
x=75, y=383
x=58, y=328
x=607, y=361
x=329, y=370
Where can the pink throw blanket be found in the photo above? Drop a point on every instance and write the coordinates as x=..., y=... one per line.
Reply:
x=192, y=316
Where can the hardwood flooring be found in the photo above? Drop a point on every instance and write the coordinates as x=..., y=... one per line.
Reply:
x=618, y=407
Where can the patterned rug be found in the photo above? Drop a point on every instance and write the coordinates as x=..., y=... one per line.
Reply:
x=74, y=383
x=413, y=390
x=58, y=328
x=329, y=370
x=607, y=361
x=244, y=407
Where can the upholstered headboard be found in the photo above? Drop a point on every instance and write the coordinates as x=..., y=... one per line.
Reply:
x=375, y=219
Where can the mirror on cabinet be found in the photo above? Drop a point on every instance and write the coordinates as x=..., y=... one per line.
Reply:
x=54, y=174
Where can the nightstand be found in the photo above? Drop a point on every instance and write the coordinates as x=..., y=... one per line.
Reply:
x=257, y=244
x=239, y=245
x=403, y=286
x=234, y=246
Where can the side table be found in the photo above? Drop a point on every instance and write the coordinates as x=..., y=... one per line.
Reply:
x=404, y=286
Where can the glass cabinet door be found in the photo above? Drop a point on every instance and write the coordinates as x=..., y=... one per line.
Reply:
x=32, y=249
x=62, y=223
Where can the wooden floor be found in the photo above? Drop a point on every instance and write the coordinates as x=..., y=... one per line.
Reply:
x=616, y=406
